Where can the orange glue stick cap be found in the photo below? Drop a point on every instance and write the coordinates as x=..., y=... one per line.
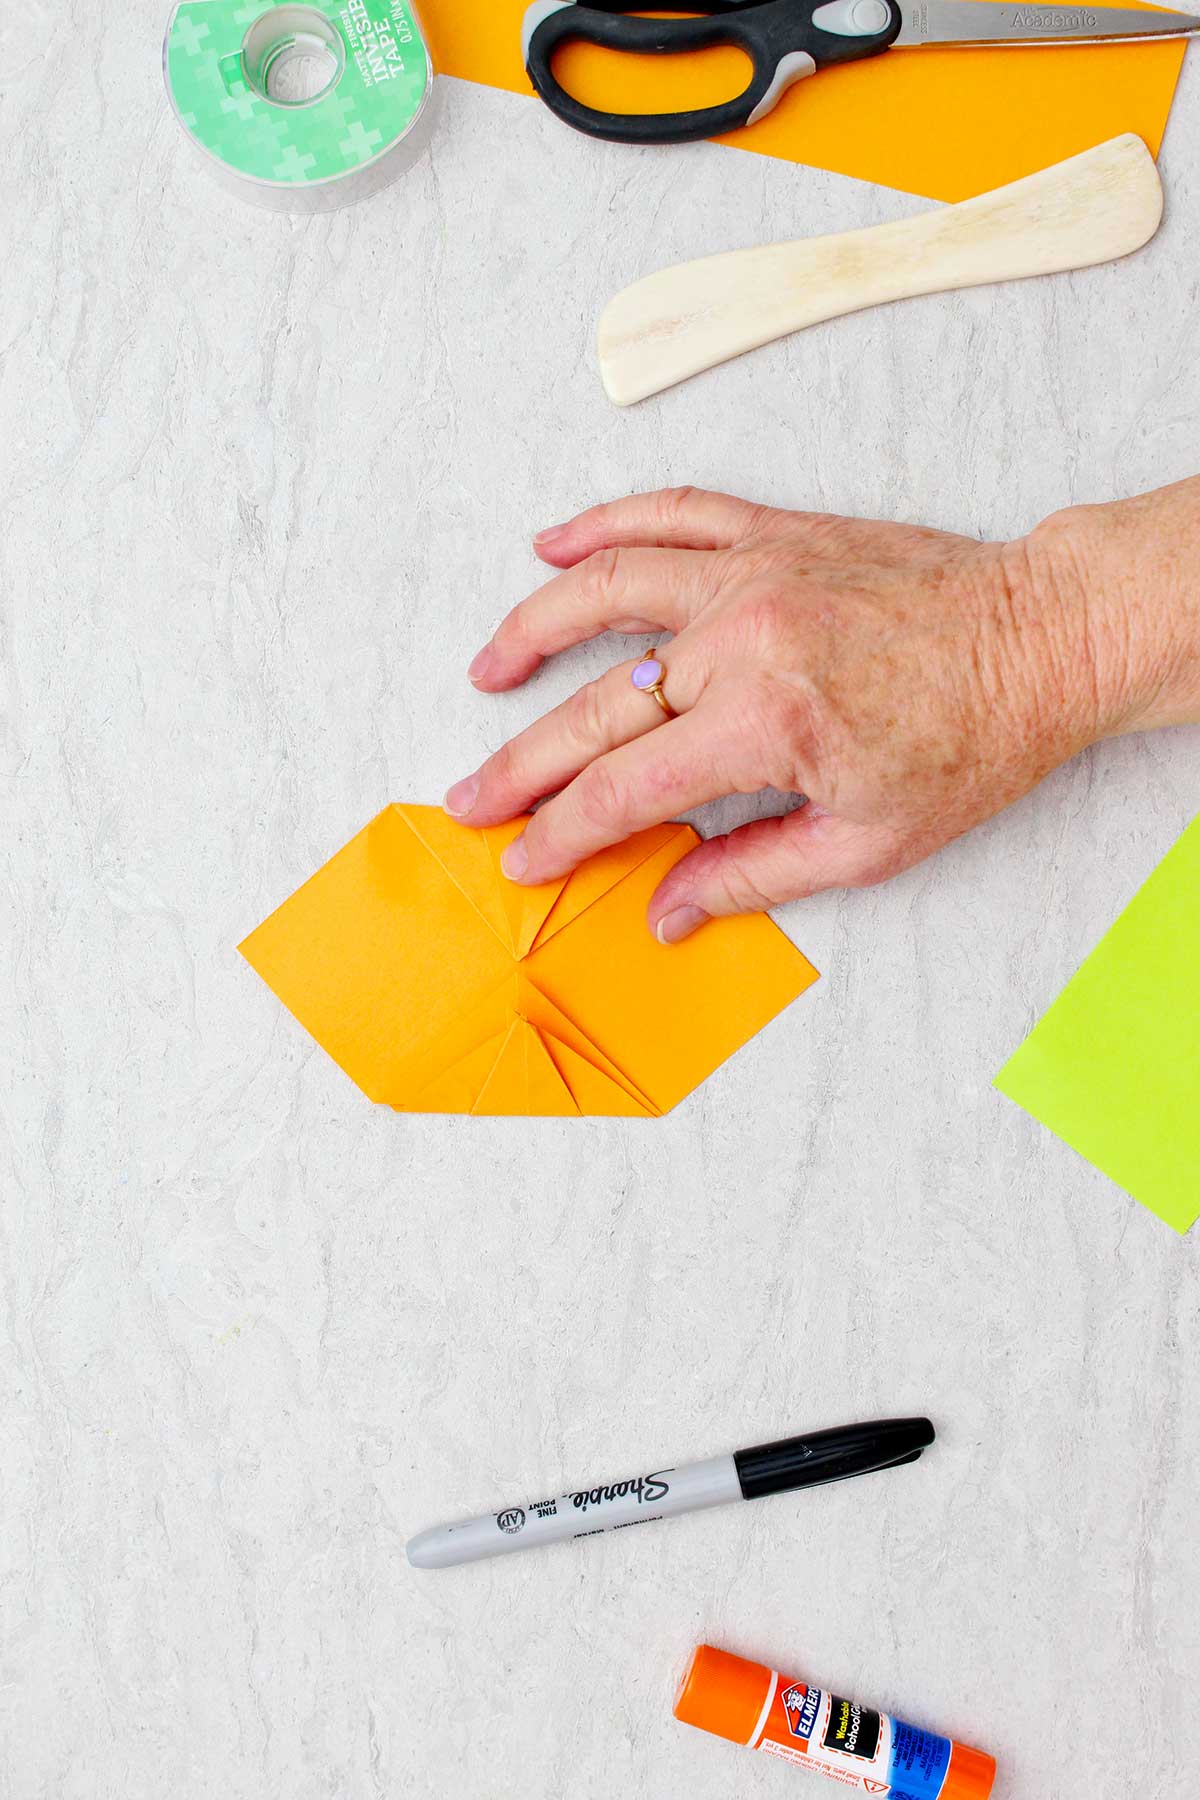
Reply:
x=810, y=1728
x=970, y=1776
x=723, y=1694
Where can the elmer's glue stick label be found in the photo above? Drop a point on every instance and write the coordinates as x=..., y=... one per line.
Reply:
x=854, y=1744
x=815, y=1729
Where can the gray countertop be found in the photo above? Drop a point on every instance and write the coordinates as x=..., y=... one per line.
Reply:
x=267, y=484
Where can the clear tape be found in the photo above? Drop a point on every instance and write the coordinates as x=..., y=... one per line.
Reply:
x=222, y=146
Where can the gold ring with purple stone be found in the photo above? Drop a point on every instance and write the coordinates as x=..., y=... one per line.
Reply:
x=648, y=678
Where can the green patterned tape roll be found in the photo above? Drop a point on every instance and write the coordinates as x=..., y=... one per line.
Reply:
x=300, y=107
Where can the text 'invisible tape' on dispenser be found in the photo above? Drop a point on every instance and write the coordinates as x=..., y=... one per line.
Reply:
x=301, y=108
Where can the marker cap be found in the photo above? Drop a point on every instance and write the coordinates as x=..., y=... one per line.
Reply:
x=835, y=1455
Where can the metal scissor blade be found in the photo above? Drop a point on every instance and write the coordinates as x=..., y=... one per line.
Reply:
x=984, y=22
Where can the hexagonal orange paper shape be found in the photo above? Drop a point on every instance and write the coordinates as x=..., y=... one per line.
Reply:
x=439, y=986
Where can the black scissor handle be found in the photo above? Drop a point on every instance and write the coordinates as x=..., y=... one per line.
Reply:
x=782, y=39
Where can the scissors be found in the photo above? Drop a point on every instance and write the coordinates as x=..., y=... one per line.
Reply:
x=786, y=40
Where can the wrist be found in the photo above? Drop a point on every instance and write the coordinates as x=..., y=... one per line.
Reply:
x=1124, y=580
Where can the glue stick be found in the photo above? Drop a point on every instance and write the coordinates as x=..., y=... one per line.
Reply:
x=814, y=1729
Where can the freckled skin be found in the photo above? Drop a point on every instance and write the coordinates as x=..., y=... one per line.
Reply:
x=909, y=682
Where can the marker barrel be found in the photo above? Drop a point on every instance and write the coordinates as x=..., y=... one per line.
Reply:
x=814, y=1729
x=581, y=1514
x=777, y=1468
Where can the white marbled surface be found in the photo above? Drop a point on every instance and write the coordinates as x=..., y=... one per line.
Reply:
x=267, y=484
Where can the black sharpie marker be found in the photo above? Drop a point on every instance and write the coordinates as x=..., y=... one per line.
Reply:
x=746, y=1475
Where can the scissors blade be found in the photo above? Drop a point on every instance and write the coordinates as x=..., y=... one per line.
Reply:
x=984, y=22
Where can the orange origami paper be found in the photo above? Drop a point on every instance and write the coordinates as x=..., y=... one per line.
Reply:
x=439, y=986
x=946, y=124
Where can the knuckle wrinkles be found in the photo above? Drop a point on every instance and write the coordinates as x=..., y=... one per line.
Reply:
x=511, y=632
x=602, y=573
x=501, y=774
x=758, y=520
x=739, y=889
x=598, y=798
x=662, y=780
x=674, y=503
x=587, y=715
x=722, y=569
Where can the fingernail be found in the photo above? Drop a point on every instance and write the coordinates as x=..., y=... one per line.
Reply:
x=515, y=859
x=549, y=534
x=680, y=923
x=481, y=665
x=461, y=797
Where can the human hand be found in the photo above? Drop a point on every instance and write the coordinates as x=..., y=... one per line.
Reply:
x=909, y=682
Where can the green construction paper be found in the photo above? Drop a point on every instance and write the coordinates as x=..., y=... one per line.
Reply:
x=1114, y=1066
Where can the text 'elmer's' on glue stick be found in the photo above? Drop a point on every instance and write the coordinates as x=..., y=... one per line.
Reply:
x=814, y=1729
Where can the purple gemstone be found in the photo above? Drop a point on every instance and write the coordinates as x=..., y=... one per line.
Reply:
x=647, y=673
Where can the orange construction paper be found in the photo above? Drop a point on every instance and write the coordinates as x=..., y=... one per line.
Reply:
x=439, y=986
x=946, y=124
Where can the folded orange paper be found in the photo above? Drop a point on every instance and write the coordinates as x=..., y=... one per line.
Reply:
x=947, y=124
x=439, y=986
